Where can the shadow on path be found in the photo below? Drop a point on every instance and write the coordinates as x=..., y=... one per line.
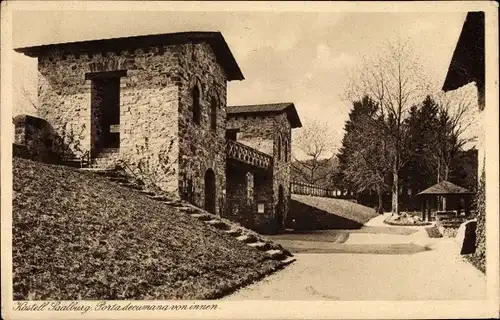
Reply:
x=399, y=248
x=340, y=235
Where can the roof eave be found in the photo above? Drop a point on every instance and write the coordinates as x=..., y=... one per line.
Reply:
x=224, y=55
x=293, y=116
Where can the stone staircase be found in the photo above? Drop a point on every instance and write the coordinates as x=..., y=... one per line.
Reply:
x=252, y=239
x=448, y=224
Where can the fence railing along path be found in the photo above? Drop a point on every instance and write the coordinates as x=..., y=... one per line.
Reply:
x=308, y=189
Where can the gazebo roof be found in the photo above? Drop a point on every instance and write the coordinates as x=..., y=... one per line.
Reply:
x=445, y=188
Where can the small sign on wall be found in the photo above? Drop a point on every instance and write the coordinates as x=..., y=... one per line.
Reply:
x=260, y=207
x=114, y=128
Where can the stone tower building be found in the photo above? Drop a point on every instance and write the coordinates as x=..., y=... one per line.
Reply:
x=156, y=105
x=156, y=102
x=260, y=199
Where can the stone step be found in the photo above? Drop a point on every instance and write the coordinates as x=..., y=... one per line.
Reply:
x=451, y=225
x=103, y=163
x=247, y=238
x=452, y=222
x=74, y=163
x=98, y=170
x=218, y=224
x=119, y=179
x=176, y=203
x=159, y=198
x=130, y=185
x=172, y=203
x=148, y=193
x=106, y=152
x=453, y=219
x=106, y=172
x=262, y=246
x=234, y=232
x=276, y=254
x=188, y=209
x=287, y=252
x=202, y=216
x=288, y=260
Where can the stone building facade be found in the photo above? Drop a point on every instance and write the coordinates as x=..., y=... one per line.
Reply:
x=268, y=129
x=156, y=105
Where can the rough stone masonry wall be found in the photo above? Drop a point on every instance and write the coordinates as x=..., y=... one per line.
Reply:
x=240, y=204
x=263, y=193
x=255, y=131
x=201, y=148
x=148, y=104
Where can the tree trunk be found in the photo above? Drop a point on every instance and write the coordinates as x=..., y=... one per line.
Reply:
x=395, y=191
x=380, y=208
x=446, y=173
x=438, y=173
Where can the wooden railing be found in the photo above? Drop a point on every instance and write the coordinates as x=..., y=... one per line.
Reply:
x=308, y=189
x=248, y=155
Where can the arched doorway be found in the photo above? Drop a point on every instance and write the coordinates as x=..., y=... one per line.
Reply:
x=280, y=209
x=210, y=191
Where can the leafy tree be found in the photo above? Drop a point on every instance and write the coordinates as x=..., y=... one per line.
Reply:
x=363, y=155
x=435, y=142
x=464, y=169
x=421, y=125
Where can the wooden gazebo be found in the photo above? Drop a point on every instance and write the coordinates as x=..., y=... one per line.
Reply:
x=448, y=190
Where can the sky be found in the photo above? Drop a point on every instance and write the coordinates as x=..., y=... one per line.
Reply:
x=301, y=57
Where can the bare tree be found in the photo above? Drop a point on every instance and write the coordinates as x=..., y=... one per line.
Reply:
x=456, y=117
x=395, y=80
x=317, y=149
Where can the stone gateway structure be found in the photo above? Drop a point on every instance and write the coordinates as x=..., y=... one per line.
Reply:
x=157, y=105
x=268, y=129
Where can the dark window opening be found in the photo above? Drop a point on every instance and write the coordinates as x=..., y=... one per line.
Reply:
x=286, y=150
x=213, y=114
x=105, y=107
x=231, y=134
x=210, y=191
x=279, y=148
x=196, y=105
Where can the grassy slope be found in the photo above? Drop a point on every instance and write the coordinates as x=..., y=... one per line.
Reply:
x=78, y=236
x=340, y=207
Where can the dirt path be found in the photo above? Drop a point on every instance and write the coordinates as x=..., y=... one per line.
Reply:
x=371, y=266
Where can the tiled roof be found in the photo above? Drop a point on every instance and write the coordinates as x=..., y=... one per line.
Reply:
x=287, y=107
x=445, y=187
x=215, y=39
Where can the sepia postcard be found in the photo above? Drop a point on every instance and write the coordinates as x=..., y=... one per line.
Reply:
x=249, y=160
